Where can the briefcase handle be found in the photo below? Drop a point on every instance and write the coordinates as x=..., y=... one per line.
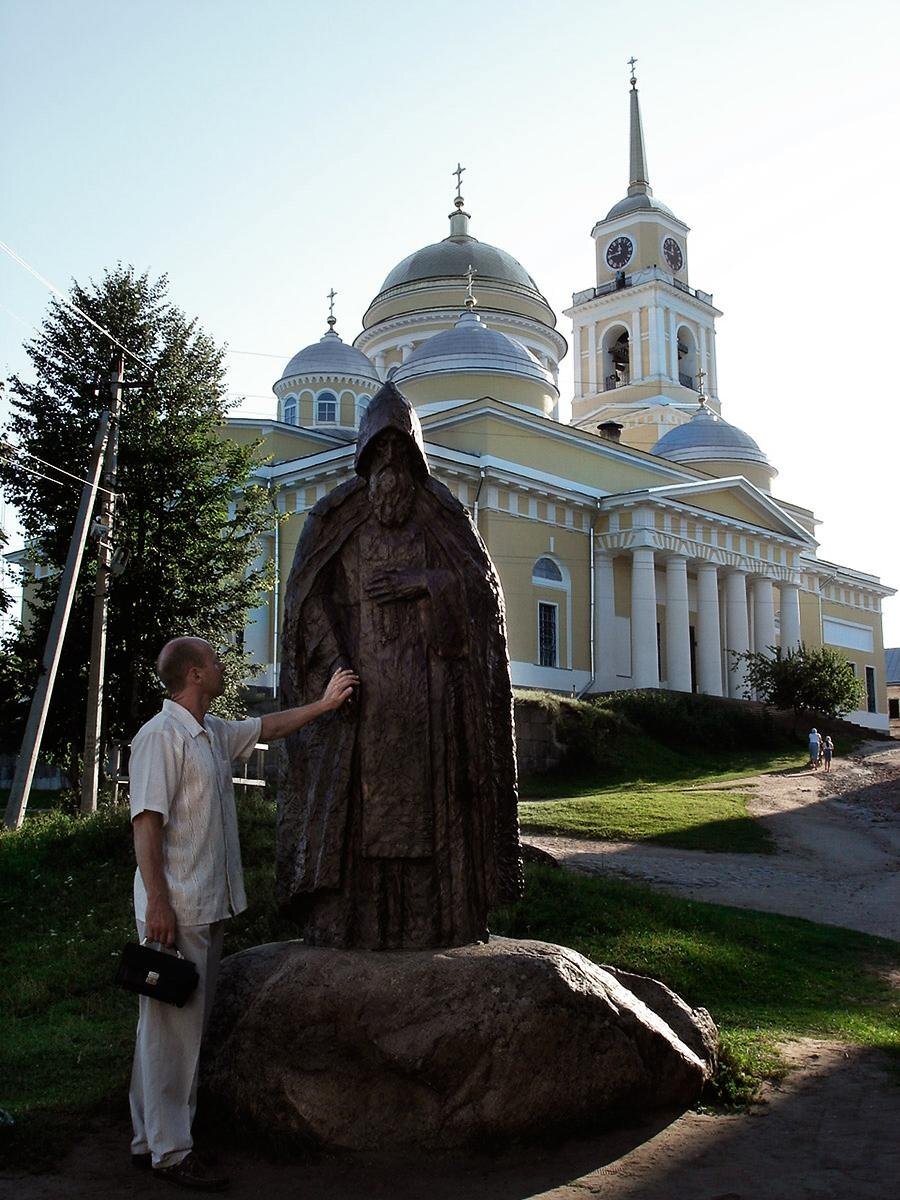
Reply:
x=146, y=941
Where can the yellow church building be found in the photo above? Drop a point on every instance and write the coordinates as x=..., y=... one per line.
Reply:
x=639, y=543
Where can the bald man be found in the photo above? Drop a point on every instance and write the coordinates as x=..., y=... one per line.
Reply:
x=189, y=882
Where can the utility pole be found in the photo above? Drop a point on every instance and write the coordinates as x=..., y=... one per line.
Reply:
x=40, y=702
x=90, y=776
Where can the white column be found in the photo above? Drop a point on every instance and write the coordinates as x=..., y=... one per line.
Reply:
x=673, y=346
x=604, y=622
x=713, y=370
x=678, y=627
x=379, y=364
x=256, y=632
x=709, y=644
x=790, y=616
x=576, y=350
x=636, y=352
x=763, y=616
x=704, y=360
x=592, y=357
x=737, y=628
x=644, y=656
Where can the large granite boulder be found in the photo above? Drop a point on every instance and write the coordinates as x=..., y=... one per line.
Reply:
x=440, y=1048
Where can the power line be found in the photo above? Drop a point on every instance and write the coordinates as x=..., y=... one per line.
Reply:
x=257, y=353
x=53, y=467
x=70, y=303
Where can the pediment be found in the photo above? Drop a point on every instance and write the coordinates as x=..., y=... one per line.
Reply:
x=737, y=498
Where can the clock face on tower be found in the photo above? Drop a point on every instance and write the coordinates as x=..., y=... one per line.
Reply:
x=619, y=252
x=673, y=254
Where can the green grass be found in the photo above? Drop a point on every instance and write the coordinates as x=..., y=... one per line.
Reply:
x=714, y=821
x=664, y=803
x=762, y=976
x=65, y=908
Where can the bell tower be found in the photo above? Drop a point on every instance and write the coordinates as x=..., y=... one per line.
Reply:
x=642, y=334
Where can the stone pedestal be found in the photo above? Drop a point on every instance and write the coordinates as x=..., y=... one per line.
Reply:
x=434, y=1049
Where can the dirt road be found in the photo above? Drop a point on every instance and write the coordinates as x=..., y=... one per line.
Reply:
x=837, y=839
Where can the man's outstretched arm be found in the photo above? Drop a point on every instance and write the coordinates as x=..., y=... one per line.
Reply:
x=280, y=724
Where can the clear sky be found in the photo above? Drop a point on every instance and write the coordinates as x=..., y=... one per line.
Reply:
x=262, y=153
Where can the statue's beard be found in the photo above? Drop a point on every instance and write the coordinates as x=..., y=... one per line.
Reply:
x=392, y=493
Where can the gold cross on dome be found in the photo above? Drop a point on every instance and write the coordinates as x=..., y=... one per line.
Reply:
x=459, y=174
x=331, y=318
x=470, y=295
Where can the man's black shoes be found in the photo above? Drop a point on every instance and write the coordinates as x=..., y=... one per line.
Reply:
x=191, y=1173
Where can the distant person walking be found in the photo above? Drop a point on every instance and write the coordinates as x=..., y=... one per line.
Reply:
x=815, y=744
x=827, y=751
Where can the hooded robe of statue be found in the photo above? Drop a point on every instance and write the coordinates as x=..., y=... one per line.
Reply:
x=397, y=824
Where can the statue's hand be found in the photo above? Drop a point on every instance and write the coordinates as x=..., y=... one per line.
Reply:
x=396, y=583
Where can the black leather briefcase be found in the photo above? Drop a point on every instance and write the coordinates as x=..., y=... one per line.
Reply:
x=170, y=978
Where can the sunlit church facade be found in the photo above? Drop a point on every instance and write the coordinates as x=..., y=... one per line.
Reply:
x=639, y=543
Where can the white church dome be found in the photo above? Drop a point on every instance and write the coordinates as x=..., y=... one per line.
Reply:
x=330, y=356
x=471, y=347
x=706, y=436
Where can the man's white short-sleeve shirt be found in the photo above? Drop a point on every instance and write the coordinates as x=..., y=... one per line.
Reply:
x=182, y=769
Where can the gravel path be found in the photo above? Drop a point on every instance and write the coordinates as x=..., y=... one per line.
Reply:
x=837, y=840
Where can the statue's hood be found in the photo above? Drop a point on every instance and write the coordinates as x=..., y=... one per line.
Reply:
x=389, y=409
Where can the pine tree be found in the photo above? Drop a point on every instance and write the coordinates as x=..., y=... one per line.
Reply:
x=189, y=517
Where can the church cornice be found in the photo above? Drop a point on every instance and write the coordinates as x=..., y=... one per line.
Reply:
x=650, y=216
x=649, y=281
x=290, y=383
x=431, y=316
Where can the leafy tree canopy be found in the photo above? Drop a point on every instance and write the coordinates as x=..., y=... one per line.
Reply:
x=189, y=516
x=819, y=681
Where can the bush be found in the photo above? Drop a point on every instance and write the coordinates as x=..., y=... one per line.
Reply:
x=700, y=722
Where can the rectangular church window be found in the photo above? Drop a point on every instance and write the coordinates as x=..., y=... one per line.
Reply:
x=548, y=639
x=870, y=689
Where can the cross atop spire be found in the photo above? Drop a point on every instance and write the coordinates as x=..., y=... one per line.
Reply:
x=332, y=320
x=459, y=174
x=470, y=295
x=631, y=62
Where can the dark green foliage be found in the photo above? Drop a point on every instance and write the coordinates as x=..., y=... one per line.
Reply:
x=696, y=722
x=807, y=681
x=5, y=598
x=191, y=550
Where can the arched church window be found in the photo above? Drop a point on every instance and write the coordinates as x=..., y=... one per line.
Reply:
x=326, y=408
x=290, y=411
x=545, y=569
x=616, y=358
x=687, y=358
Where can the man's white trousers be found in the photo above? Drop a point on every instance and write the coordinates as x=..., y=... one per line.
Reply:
x=163, y=1092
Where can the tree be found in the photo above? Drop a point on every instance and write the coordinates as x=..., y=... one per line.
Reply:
x=190, y=513
x=808, y=681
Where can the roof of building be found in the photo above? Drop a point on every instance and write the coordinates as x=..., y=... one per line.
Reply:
x=330, y=355
x=470, y=346
x=640, y=194
x=707, y=436
x=892, y=665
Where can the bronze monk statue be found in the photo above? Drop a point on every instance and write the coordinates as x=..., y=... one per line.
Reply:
x=397, y=823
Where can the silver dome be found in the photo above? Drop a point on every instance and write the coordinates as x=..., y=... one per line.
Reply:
x=452, y=258
x=471, y=347
x=707, y=436
x=330, y=356
x=639, y=203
